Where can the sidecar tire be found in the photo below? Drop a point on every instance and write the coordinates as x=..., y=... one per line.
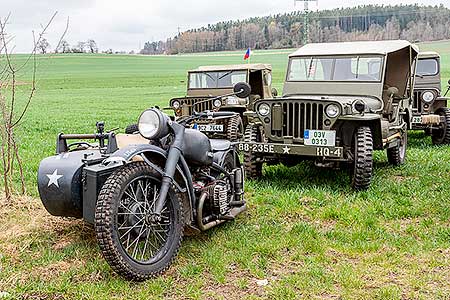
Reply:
x=132, y=129
x=107, y=226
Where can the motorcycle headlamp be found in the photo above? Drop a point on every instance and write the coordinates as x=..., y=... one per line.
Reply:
x=153, y=124
x=332, y=111
x=264, y=109
x=428, y=97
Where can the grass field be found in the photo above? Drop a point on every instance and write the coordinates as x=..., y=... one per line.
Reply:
x=306, y=232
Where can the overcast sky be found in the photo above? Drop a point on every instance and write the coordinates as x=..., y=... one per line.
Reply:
x=127, y=24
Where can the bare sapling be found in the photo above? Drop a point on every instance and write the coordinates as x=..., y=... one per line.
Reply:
x=13, y=105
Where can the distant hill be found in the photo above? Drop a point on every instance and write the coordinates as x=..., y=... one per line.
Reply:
x=410, y=22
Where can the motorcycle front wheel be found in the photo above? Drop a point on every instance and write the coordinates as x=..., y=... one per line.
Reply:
x=137, y=244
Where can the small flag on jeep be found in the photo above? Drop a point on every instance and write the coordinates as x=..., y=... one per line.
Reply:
x=248, y=53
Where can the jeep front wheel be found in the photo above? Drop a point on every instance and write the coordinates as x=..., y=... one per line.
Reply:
x=253, y=167
x=397, y=155
x=363, y=158
x=235, y=129
x=442, y=136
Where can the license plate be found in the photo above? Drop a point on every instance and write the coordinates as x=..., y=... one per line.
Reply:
x=210, y=128
x=320, y=138
x=417, y=120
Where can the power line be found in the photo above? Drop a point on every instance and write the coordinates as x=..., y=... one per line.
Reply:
x=306, y=18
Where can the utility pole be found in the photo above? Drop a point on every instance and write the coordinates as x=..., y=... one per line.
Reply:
x=306, y=18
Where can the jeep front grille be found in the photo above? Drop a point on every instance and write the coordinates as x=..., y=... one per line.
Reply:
x=191, y=102
x=417, y=103
x=299, y=116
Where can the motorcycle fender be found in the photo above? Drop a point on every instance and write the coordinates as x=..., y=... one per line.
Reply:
x=219, y=157
x=156, y=158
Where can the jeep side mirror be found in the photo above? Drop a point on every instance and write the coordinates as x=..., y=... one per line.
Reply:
x=274, y=92
x=242, y=89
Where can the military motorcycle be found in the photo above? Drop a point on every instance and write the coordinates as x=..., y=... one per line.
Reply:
x=144, y=192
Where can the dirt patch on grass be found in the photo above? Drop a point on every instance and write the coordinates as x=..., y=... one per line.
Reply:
x=26, y=228
x=239, y=284
x=54, y=270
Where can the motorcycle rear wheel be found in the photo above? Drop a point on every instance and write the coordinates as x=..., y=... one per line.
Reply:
x=137, y=244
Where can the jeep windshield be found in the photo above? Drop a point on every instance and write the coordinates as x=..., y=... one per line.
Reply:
x=216, y=80
x=427, y=67
x=357, y=68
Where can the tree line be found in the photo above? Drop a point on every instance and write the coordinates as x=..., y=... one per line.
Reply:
x=89, y=46
x=369, y=22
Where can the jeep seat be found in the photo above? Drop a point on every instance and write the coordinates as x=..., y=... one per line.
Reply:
x=125, y=140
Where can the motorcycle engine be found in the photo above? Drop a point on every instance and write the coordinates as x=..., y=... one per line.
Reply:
x=219, y=197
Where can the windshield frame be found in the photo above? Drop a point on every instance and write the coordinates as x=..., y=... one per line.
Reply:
x=214, y=88
x=438, y=70
x=334, y=57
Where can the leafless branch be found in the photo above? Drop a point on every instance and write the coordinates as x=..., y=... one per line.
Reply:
x=10, y=155
x=63, y=35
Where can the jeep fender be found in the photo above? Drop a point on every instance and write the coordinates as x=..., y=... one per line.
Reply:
x=156, y=158
x=351, y=123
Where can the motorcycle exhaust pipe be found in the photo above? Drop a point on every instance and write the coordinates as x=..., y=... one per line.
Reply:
x=203, y=227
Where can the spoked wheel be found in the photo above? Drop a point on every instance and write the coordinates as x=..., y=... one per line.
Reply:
x=442, y=136
x=136, y=243
x=397, y=155
x=363, y=158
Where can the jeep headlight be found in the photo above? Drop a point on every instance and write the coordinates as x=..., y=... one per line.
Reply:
x=217, y=103
x=176, y=104
x=153, y=124
x=428, y=97
x=332, y=111
x=264, y=109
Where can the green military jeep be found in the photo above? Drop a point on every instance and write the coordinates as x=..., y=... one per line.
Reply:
x=340, y=102
x=430, y=110
x=208, y=82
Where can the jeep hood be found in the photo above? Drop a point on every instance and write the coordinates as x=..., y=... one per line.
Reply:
x=372, y=102
x=208, y=92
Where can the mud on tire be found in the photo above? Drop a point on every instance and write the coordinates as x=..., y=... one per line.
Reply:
x=107, y=225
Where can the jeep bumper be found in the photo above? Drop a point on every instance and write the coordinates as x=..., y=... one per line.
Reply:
x=292, y=149
x=424, y=121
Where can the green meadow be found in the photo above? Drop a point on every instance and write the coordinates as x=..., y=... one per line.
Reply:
x=306, y=234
